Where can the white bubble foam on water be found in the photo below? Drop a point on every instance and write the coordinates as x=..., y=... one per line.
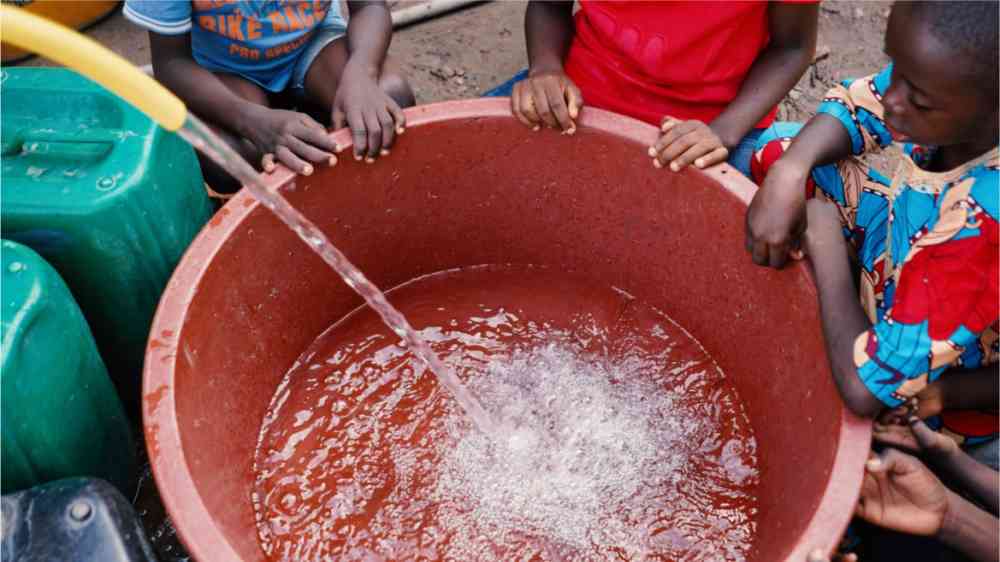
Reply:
x=580, y=448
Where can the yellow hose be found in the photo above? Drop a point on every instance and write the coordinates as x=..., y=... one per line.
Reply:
x=88, y=57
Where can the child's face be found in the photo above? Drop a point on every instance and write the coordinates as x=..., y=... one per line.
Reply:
x=934, y=98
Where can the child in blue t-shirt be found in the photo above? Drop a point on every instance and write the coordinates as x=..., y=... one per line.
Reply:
x=229, y=59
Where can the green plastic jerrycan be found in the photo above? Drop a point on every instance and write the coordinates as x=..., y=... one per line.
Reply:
x=61, y=414
x=109, y=198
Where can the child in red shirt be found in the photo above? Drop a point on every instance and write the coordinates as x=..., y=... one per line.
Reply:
x=710, y=74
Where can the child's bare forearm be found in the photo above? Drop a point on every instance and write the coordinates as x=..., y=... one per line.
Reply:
x=970, y=530
x=843, y=320
x=369, y=34
x=774, y=73
x=976, y=478
x=823, y=140
x=549, y=30
x=771, y=77
x=197, y=87
x=972, y=390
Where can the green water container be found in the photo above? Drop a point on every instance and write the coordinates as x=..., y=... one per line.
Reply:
x=61, y=415
x=109, y=198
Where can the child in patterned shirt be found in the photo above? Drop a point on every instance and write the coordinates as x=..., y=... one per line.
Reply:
x=924, y=338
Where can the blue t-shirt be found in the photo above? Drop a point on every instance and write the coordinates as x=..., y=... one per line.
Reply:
x=259, y=40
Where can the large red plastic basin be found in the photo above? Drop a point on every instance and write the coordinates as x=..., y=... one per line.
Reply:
x=467, y=185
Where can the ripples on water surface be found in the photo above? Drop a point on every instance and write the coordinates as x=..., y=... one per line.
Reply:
x=621, y=439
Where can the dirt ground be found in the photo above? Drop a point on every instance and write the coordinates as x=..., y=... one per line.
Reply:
x=467, y=52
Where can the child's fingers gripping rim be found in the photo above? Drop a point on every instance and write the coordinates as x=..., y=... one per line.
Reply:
x=716, y=156
x=759, y=252
x=680, y=145
x=267, y=162
x=795, y=249
x=374, y=127
x=668, y=122
x=388, y=126
x=359, y=133
x=309, y=152
x=668, y=138
x=515, y=106
x=530, y=110
x=557, y=104
x=339, y=119
x=777, y=256
x=317, y=137
x=701, y=149
x=574, y=99
x=398, y=117
x=293, y=162
x=541, y=104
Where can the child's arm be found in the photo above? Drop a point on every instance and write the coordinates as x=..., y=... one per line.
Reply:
x=970, y=530
x=793, y=43
x=909, y=346
x=547, y=97
x=776, y=219
x=849, y=121
x=973, y=476
x=899, y=493
x=792, y=27
x=373, y=116
x=293, y=137
x=944, y=454
x=974, y=389
x=842, y=317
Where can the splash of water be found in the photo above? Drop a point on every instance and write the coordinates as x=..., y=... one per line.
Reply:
x=204, y=140
x=589, y=443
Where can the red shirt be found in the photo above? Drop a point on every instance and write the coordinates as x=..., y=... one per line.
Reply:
x=681, y=58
